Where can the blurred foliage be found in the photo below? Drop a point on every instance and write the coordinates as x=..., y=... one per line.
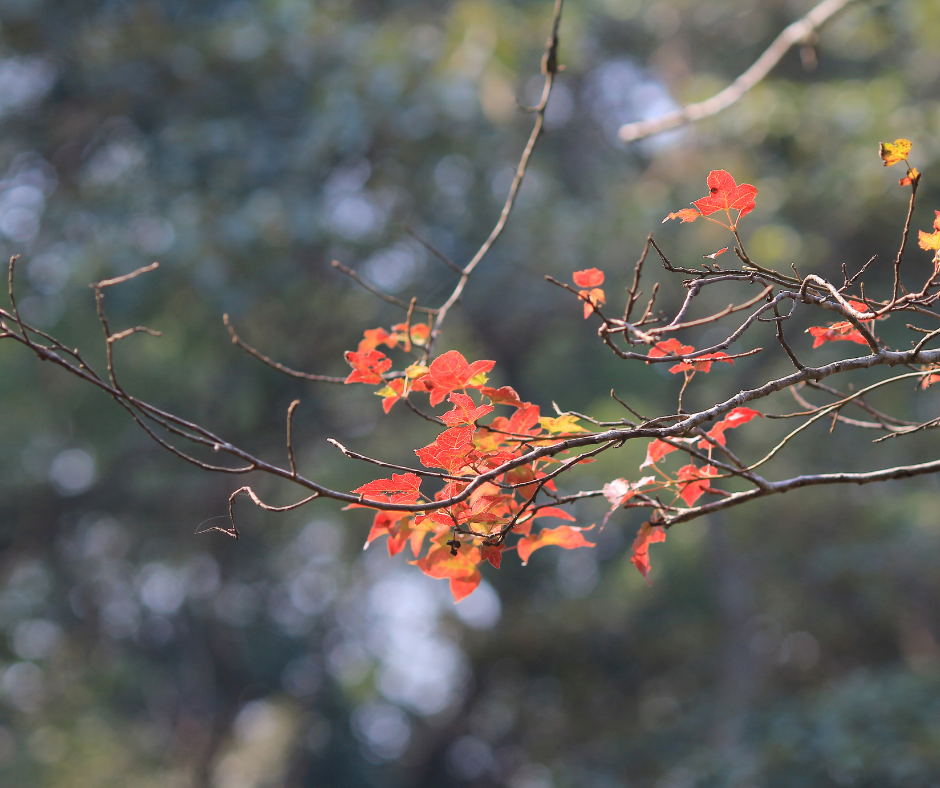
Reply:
x=246, y=145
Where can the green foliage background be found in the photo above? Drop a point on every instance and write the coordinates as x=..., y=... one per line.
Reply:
x=246, y=145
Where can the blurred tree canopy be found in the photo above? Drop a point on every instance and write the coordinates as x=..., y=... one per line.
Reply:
x=245, y=145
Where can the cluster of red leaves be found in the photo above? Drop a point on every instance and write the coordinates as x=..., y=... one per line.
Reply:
x=673, y=347
x=465, y=450
x=723, y=195
x=590, y=280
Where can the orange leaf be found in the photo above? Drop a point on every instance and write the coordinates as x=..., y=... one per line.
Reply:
x=726, y=195
x=553, y=511
x=401, y=488
x=713, y=255
x=464, y=410
x=930, y=241
x=462, y=587
x=391, y=393
x=647, y=535
x=686, y=215
x=506, y=395
x=592, y=298
x=671, y=347
x=590, y=277
x=566, y=536
x=701, y=363
x=373, y=337
x=367, y=367
x=911, y=178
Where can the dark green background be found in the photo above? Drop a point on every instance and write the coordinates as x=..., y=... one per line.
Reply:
x=244, y=145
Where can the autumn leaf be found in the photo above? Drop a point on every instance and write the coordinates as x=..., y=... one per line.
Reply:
x=647, y=535
x=464, y=411
x=492, y=553
x=592, y=298
x=726, y=195
x=566, y=536
x=553, y=511
x=735, y=418
x=835, y=332
x=561, y=424
x=401, y=488
x=693, y=482
x=388, y=524
x=373, y=337
x=461, y=569
x=931, y=241
x=701, y=363
x=451, y=449
x=655, y=452
x=590, y=277
x=451, y=371
x=893, y=152
x=367, y=367
x=506, y=395
x=670, y=347
x=393, y=392
x=713, y=255
x=912, y=177
x=686, y=215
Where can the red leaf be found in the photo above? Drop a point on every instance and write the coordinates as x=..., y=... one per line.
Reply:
x=736, y=418
x=391, y=393
x=450, y=450
x=566, y=536
x=367, y=367
x=701, y=363
x=462, y=587
x=713, y=255
x=524, y=419
x=694, y=482
x=834, y=333
x=506, y=395
x=656, y=451
x=401, y=488
x=553, y=511
x=492, y=553
x=590, y=277
x=373, y=337
x=726, y=195
x=464, y=410
x=451, y=371
x=460, y=569
x=671, y=347
x=647, y=535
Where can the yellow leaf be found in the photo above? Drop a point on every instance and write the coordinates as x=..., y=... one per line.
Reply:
x=893, y=152
x=566, y=423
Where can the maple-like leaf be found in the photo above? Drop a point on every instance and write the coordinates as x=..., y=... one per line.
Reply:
x=450, y=450
x=735, y=418
x=726, y=195
x=461, y=569
x=835, y=332
x=694, y=482
x=588, y=278
x=670, y=347
x=373, y=337
x=566, y=536
x=686, y=215
x=647, y=535
x=389, y=524
x=893, y=152
x=505, y=395
x=401, y=488
x=592, y=298
x=393, y=392
x=561, y=424
x=492, y=553
x=656, y=451
x=367, y=367
x=553, y=511
x=465, y=411
x=451, y=371
x=931, y=241
x=912, y=177
x=701, y=363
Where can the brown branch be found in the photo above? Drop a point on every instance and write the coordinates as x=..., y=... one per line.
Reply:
x=793, y=34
